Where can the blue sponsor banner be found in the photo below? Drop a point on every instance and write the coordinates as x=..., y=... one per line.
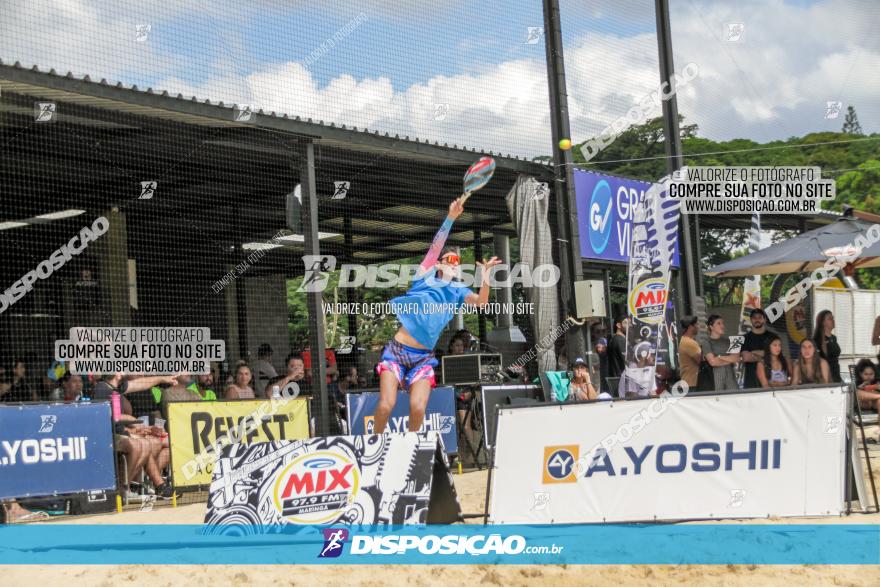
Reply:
x=439, y=415
x=605, y=213
x=715, y=544
x=55, y=448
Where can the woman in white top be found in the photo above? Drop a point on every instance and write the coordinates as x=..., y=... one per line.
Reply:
x=241, y=388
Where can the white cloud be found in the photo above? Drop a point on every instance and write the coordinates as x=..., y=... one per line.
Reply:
x=772, y=84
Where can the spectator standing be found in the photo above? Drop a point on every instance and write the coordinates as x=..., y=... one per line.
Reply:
x=754, y=347
x=690, y=355
x=826, y=343
x=617, y=348
x=716, y=349
x=602, y=351
x=774, y=369
x=263, y=370
x=875, y=335
x=810, y=367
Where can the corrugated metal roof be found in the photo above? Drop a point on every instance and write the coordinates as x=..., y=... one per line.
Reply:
x=192, y=110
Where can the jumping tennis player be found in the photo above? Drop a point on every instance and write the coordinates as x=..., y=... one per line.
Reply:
x=424, y=311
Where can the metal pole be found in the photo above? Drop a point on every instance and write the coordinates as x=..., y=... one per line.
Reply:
x=674, y=159
x=351, y=293
x=313, y=298
x=478, y=256
x=566, y=207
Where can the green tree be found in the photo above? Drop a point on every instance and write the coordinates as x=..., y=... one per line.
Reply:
x=851, y=124
x=639, y=153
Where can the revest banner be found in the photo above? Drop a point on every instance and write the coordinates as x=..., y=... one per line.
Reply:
x=738, y=455
x=605, y=208
x=55, y=448
x=194, y=426
x=439, y=414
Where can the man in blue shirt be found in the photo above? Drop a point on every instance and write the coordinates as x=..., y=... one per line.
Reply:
x=408, y=361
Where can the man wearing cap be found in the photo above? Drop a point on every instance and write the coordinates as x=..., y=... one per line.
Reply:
x=753, y=347
x=581, y=387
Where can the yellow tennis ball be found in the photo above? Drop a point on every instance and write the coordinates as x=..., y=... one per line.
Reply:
x=565, y=144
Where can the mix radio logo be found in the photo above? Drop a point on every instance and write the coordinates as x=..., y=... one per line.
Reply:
x=317, y=487
x=647, y=302
x=559, y=463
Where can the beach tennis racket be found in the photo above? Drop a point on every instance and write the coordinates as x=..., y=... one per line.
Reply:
x=477, y=176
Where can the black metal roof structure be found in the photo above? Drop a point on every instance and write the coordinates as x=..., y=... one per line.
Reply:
x=221, y=181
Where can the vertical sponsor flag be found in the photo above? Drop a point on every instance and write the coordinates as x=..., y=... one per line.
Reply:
x=752, y=286
x=654, y=238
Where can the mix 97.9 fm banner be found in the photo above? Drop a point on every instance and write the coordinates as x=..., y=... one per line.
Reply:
x=199, y=430
x=57, y=448
x=375, y=479
x=439, y=414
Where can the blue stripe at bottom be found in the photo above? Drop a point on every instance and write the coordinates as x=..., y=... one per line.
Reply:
x=715, y=544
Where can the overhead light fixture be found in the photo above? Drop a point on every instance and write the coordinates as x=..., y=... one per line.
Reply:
x=258, y=246
x=289, y=239
x=298, y=238
x=11, y=224
x=59, y=215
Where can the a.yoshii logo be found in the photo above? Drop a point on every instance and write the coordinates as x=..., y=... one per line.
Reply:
x=559, y=463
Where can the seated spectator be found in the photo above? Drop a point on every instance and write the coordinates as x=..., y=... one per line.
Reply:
x=581, y=387
x=202, y=387
x=71, y=387
x=810, y=367
x=241, y=388
x=716, y=350
x=296, y=373
x=263, y=370
x=11, y=512
x=145, y=448
x=19, y=389
x=867, y=385
x=351, y=381
x=774, y=368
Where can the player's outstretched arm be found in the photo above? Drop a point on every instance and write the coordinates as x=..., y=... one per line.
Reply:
x=455, y=210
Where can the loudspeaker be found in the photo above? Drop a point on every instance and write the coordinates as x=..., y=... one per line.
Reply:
x=589, y=299
x=470, y=368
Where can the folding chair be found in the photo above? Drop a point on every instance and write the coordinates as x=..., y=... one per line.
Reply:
x=555, y=384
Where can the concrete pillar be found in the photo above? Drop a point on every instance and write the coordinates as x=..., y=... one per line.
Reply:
x=504, y=295
x=112, y=255
x=233, y=340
